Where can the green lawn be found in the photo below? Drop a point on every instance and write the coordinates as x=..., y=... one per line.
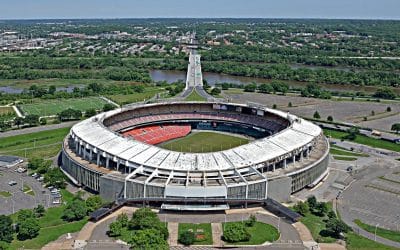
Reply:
x=52, y=227
x=316, y=225
x=260, y=233
x=356, y=242
x=5, y=194
x=362, y=139
x=135, y=97
x=52, y=107
x=198, y=142
x=49, y=234
x=47, y=143
x=196, y=228
x=337, y=151
x=194, y=96
x=385, y=233
x=344, y=158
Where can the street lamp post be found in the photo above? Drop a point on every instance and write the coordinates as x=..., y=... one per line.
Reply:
x=376, y=227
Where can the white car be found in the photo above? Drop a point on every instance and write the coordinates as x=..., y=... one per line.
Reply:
x=12, y=183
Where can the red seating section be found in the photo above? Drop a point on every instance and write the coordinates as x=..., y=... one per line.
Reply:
x=156, y=134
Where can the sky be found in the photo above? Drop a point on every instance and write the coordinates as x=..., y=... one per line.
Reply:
x=348, y=9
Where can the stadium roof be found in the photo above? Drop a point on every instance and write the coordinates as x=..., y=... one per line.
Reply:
x=91, y=131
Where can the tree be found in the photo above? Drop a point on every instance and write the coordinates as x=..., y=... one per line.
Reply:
x=6, y=228
x=251, y=221
x=321, y=209
x=236, y=232
x=75, y=210
x=93, y=203
x=54, y=177
x=28, y=229
x=352, y=133
x=274, y=106
x=388, y=109
x=396, y=127
x=312, y=202
x=18, y=121
x=385, y=93
x=69, y=114
x=115, y=229
x=43, y=121
x=265, y=88
x=250, y=87
x=39, y=165
x=39, y=210
x=25, y=214
x=144, y=218
x=123, y=219
x=90, y=113
x=215, y=91
x=148, y=239
x=187, y=238
x=52, y=90
x=336, y=227
x=290, y=104
x=302, y=208
x=225, y=86
x=329, y=118
x=108, y=107
x=316, y=115
x=280, y=87
x=31, y=120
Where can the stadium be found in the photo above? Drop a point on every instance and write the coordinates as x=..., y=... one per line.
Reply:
x=126, y=154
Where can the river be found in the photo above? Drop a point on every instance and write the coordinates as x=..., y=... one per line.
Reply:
x=212, y=78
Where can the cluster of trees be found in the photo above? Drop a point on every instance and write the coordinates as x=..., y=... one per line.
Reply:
x=385, y=93
x=285, y=72
x=314, y=90
x=52, y=175
x=334, y=226
x=274, y=87
x=74, y=114
x=262, y=54
x=77, y=209
x=147, y=231
x=30, y=120
x=26, y=225
x=237, y=232
x=175, y=88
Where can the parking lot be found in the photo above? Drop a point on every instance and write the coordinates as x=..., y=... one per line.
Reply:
x=19, y=199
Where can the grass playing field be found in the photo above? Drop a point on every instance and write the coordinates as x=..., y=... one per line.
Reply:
x=52, y=107
x=202, y=142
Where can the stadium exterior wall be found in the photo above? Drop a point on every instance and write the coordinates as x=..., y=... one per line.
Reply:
x=110, y=187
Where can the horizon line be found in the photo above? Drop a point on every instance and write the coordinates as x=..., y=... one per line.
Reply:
x=211, y=18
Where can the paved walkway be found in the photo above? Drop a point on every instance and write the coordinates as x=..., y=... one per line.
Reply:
x=37, y=129
x=173, y=234
x=217, y=234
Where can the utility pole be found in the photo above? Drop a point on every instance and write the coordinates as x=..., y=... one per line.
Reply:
x=376, y=227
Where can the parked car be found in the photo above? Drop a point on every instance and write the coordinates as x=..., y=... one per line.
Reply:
x=21, y=170
x=12, y=183
x=41, y=178
x=34, y=175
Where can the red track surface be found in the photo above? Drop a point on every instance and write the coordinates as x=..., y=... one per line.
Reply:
x=156, y=134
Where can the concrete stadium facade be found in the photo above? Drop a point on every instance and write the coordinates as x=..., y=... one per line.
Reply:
x=294, y=155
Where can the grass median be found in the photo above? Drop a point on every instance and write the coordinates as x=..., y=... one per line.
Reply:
x=365, y=140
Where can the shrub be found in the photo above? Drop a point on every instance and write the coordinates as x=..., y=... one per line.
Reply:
x=28, y=229
x=251, y=221
x=236, y=232
x=75, y=210
x=187, y=238
x=302, y=208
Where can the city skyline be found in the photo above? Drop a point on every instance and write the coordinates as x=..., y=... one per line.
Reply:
x=74, y=9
